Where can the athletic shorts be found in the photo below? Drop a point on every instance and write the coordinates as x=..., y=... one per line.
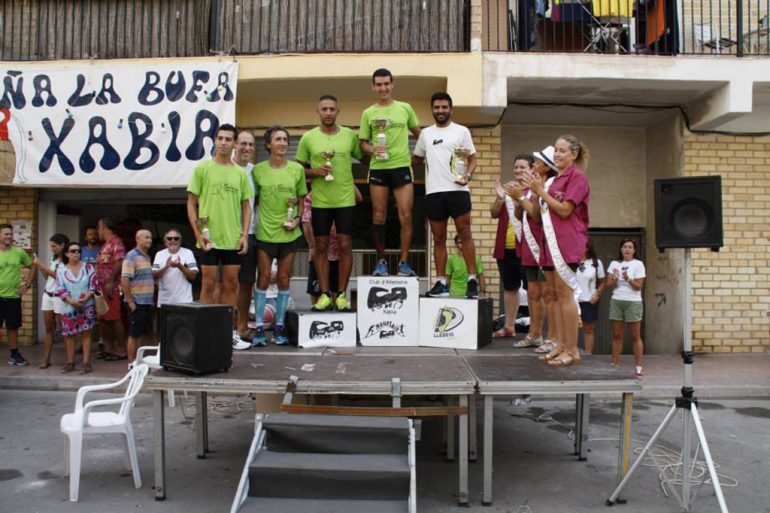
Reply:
x=534, y=273
x=626, y=311
x=51, y=303
x=10, y=312
x=314, y=286
x=510, y=270
x=113, y=314
x=393, y=178
x=248, y=271
x=140, y=321
x=216, y=256
x=279, y=249
x=440, y=206
x=341, y=217
x=589, y=312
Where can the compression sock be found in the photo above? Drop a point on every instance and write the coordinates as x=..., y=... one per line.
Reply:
x=281, y=305
x=260, y=299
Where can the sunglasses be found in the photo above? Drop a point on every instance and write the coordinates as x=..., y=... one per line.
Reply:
x=173, y=238
x=74, y=251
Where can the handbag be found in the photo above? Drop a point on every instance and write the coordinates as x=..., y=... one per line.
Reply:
x=101, y=304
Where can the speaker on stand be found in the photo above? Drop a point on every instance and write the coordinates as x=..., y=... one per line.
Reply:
x=688, y=214
x=196, y=338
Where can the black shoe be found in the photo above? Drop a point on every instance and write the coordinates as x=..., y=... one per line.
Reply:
x=438, y=290
x=473, y=289
x=17, y=359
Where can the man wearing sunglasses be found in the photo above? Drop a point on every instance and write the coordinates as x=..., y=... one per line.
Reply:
x=174, y=268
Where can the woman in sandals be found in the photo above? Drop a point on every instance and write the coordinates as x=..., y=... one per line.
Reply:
x=541, y=298
x=590, y=275
x=625, y=276
x=51, y=305
x=564, y=213
x=280, y=189
x=77, y=285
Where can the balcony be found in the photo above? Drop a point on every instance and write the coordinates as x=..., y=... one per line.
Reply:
x=655, y=27
x=123, y=29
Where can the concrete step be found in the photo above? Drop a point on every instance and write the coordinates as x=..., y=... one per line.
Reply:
x=329, y=476
x=286, y=432
x=273, y=505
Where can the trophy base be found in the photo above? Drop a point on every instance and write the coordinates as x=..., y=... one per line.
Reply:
x=329, y=178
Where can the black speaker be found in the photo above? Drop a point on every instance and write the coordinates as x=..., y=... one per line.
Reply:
x=196, y=338
x=688, y=212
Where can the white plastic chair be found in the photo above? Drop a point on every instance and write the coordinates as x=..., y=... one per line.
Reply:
x=85, y=421
x=153, y=362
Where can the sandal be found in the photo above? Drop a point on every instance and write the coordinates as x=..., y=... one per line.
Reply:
x=101, y=355
x=563, y=360
x=114, y=358
x=504, y=332
x=528, y=341
x=68, y=368
x=547, y=346
x=44, y=365
x=86, y=368
x=551, y=355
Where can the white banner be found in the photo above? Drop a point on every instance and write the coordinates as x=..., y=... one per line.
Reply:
x=115, y=124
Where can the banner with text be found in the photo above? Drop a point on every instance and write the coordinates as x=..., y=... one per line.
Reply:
x=113, y=124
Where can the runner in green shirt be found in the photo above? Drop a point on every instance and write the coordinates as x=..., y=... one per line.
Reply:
x=12, y=259
x=280, y=187
x=219, y=213
x=333, y=199
x=384, y=134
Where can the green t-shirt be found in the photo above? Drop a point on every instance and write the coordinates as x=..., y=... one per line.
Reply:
x=220, y=190
x=11, y=262
x=274, y=187
x=338, y=192
x=402, y=118
x=457, y=272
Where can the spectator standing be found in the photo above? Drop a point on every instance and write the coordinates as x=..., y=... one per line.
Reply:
x=109, y=263
x=51, y=305
x=138, y=288
x=175, y=269
x=625, y=276
x=12, y=260
x=76, y=288
x=591, y=279
x=91, y=247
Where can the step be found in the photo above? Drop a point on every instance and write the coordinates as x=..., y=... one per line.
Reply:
x=329, y=476
x=286, y=432
x=273, y=505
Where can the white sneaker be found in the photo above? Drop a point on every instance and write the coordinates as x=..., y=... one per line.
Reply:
x=238, y=343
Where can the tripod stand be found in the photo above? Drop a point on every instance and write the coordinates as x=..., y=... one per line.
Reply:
x=688, y=405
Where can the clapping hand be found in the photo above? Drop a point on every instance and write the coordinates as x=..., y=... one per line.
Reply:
x=513, y=189
x=533, y=181
x=499, y=190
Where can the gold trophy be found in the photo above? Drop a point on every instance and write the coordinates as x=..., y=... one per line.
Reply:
x=291, y=202
x=201, y=222
x=380, y=139
x=461, y=165
x=328, y=155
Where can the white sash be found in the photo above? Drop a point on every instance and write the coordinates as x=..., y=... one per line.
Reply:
x=534, y=247
x=566, y=274
x=512, y=218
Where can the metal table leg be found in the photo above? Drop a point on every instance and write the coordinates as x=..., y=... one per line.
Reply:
x=472, y=446
x=582, y=412
x=201, y=424
x=450, y=432
x=626, y=407
x=159, y=440
x=463, y=449
x=486, y=497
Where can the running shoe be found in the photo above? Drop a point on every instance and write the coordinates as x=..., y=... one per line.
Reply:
x=405, y=270
x=238, y=343
x=17, y=359
x=473, y=289
x=438, y=290
x=342, y=302
x=259, y=337
x=324, y=303
x=278, y=336
x=381, y=269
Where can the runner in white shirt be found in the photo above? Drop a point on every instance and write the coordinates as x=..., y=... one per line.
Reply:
x=174, y=268
x=447, y=174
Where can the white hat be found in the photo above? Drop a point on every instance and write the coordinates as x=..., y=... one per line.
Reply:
x=547, y=156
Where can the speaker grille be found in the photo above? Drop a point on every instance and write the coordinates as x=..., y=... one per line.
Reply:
x=691, y=219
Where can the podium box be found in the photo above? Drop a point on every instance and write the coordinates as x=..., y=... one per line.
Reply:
x=388, y=311
x=455, y=323
x=321, y=329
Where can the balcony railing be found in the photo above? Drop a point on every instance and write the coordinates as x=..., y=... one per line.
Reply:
x=119, y=29
x=667, y=27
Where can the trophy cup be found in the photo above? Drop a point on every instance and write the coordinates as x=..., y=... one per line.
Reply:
x=291, y=202
x=380, y=139
x=328, y=155
x=201, y=223
x=460, y=165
